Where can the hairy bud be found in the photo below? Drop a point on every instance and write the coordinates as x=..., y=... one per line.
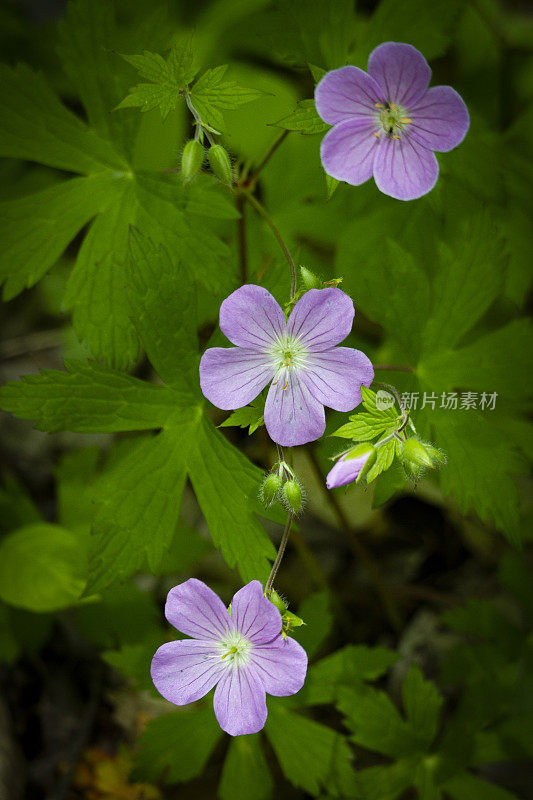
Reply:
x=270, y=489
x=415, y=453
x=220, y=163
x=191, y=159
x=367, y=454
x=278, y=601
x=292, y=496
x=309, y=279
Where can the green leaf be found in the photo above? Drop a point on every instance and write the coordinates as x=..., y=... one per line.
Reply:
x=168, y=78
x=42, y=567
x=178, y=745
x=138, y=502
x=304, y=120
x=493, y=363
x=87, y=39
x=36, y=229
x=375, y=722
x=211, y=95
x=95, y=291
x=89, y=398
x=469, y=787
x=384, y=458
x=36, y=126
x=422, y=703
x=332, y=185
x=461, y=296
x=387, y=782
x=245, y=775
x=163, y=307
x=347, y=667
x=473, y=445
x=367, y=426
x=250, y=417
x=312, y=756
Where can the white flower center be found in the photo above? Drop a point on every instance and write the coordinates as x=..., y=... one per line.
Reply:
x=235, y=649
x=288, y=354
x=393, y=120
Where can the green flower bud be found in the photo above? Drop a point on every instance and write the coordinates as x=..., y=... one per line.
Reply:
x=292, y=496
x=436, y=455
x=191, y=159
x=270, y=489
x=309, y=279
x=220, y=164
x=415, y=453
x=278, y=601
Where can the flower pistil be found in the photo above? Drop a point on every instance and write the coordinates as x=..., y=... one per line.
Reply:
x=392, y=118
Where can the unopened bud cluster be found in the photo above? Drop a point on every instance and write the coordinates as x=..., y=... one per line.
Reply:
x=417, y=456
x=282, y=485
x=192, y=159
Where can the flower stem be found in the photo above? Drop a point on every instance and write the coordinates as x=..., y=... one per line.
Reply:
x=394, y=367
x=241, y=230
x=198, y=119
x=270, y=222
x=359, y=549
x=252, y=180
x=281, y=551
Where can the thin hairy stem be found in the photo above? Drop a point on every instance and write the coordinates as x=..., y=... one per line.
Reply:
x=270, y=222
x=358, y=548
x=241, y=231
x=279, y=557
x=251, y=181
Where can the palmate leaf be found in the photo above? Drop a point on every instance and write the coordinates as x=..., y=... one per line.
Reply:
x=37, y=229
x=167, y=78
x=312, y=756
x=137, y=500
x=211, y=94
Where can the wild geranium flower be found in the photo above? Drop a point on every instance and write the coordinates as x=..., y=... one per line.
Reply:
x=387, y=123
x=298, y=357
x=242, y=653
x=351, y=466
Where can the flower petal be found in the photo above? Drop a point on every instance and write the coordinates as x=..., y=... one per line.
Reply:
x=348, y=150
x=440, y=119
x=251, y=317
x=240, y=702
x=334, y=377
x=255, y=616
x=346, y=93
x=186, y=670
x=321, y=319
x=282, y=666
x=194, y=609
x=401, y=71
x=404, y=169
x=292, y=415
x=231, y=377
x=345, y=471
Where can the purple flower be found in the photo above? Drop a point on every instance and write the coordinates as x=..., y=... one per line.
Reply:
x=387, y=123
x=243, y=654
x=298, y=357
x=351, y=466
